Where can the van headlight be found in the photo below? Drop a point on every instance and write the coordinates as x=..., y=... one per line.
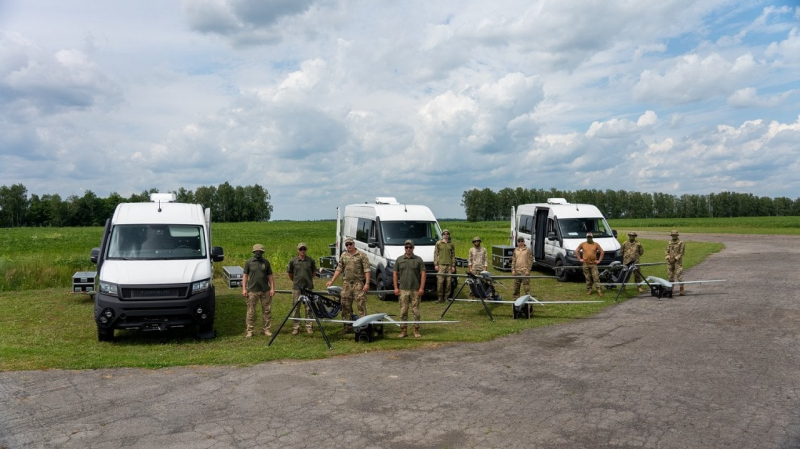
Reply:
x=201, y=286
x=390, y=264
x=570, y=253
x=107, y=288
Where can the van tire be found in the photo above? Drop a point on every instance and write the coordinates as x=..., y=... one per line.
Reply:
x=105, y=334
x=561, y=274
x=379, y=285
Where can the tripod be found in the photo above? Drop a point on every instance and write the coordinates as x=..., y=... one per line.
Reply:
x=627, y=271
x=318, y=305
x=479, y=290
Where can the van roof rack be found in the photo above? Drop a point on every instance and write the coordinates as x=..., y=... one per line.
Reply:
x=163, y=197
x=557, y=201
x=386, y=200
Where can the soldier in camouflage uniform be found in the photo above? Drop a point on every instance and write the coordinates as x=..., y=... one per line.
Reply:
x=631, y=251
x=521, y=263
x=409, y=286
x=258, y=285
x=301, y=270
x=355, y=281
x=674, y=258
x=444, y=260
x=477, y=261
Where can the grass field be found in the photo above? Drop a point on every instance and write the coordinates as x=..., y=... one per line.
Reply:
x=44, y=326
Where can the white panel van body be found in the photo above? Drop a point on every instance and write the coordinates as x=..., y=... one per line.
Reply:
x=554, y=229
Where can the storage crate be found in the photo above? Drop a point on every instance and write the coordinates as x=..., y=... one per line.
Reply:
x=83, y=282
x=328, y=262
x=501, y=257
x=233, y=276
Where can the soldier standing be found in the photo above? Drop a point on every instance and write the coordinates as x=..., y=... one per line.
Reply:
x=444, y=260
x=477, y=257
x=587, y=253
x=521, y=263
x=631, y=251
x=355, y=281
x=477, y=261
x=409, y=286
x=674, y=258
x=258, y=285
x=301, y=270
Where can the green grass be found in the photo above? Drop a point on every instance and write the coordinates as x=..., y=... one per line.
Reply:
x=744, y=225
x=46, y=327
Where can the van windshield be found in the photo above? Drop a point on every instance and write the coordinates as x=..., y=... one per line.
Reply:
x=157, y=241
x=420, y=232
x=574, y=228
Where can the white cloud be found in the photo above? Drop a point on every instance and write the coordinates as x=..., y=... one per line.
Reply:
x=693, y=78
x=329, y=102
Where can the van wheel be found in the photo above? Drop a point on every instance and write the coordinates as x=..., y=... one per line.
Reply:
x=561, y=273
x=380, y=285
x=105, y=334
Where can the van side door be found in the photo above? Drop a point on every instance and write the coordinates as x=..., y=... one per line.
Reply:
x=366, y=232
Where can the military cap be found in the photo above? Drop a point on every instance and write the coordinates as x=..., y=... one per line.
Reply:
x=409, y=242
x=302, y=245
x=258, y=247
x=520, y=239
x=632, y=234
x=349, y=240
x=476, y=239
x=674, y=232
x=589, y=234
x=446, y=231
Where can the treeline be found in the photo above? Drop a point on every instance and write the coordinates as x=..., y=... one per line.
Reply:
x=487, y=205
x=227, y=203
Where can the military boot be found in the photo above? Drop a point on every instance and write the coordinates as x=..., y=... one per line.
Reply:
x=403, y=332
x=682, y=293
x=599, y=292
x=416, y=332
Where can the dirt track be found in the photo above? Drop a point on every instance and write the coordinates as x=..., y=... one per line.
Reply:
x=716, y=369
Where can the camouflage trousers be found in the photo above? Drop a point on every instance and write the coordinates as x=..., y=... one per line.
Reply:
x=353, y=291
x=592, y=275
x=526, y=285
x=409, y=297
x=254, y=298
x=675, y=271
x=296, y=324
x=443, y=282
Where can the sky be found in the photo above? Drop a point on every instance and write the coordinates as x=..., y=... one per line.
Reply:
x=333, y=102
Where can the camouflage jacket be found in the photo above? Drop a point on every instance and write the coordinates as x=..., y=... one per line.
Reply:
x=675, y=251
x=353, y=268
x=521, y=261
x=631, y=252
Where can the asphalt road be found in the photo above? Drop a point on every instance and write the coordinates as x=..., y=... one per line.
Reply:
x=718, y=368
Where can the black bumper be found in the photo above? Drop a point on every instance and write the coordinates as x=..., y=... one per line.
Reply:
x=155, y=314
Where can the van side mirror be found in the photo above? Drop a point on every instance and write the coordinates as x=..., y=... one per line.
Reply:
x=551, y=235
x=614, y=231
x=94, y=255
x=372, y=242
x=217, y=254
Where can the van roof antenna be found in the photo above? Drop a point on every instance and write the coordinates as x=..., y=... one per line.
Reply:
x=159, y=205
x=405, y=208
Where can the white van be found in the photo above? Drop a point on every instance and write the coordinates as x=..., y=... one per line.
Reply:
x=554, y=229
x=155, y=267
x=381, y=229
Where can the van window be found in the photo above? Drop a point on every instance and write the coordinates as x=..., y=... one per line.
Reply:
x=157, y=241
x=419, y=232
x=578, y=227
x=365, y=229
x=526, y=224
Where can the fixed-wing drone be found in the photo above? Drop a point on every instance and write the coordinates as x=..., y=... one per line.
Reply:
x=325, y=308
x=482, y=288
x=662, y=288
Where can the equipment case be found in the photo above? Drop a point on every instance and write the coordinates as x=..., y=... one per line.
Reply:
x=501, y=257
